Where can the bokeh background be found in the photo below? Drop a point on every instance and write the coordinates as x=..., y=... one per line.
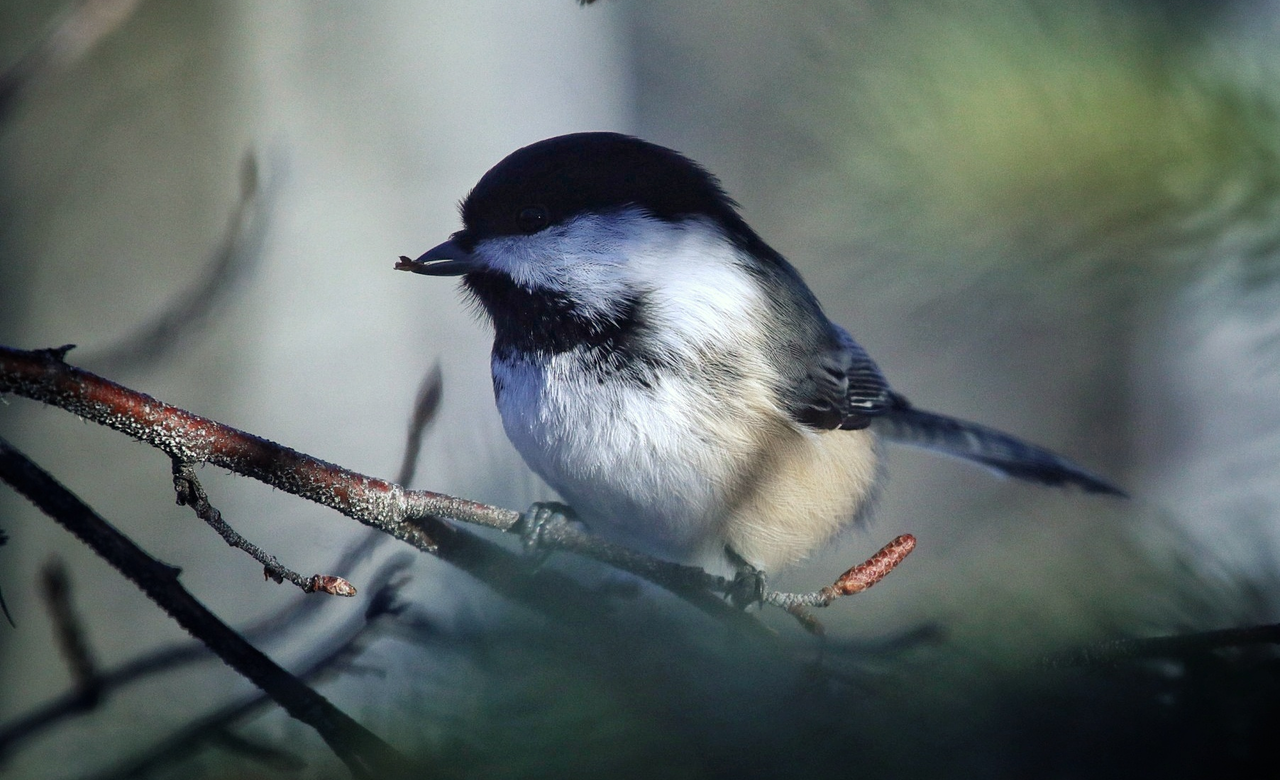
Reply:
x=1056, y=218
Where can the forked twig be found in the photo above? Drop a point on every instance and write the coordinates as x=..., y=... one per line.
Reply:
x=191, y=493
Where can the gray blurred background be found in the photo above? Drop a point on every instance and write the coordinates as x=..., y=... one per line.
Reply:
x=1056, y=218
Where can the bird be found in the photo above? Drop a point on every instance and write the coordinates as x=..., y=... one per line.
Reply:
x=670, y=375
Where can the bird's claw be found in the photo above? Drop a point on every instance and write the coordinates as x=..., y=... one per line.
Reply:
x=540, y=520
x=748, y=585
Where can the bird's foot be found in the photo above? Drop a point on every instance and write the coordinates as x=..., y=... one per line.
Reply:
x=748, y=586
x=541, y=520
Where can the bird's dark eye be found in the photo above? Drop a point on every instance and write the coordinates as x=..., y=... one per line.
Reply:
x=531, y=219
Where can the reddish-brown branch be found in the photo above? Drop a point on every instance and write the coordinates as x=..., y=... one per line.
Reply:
x=414, y=516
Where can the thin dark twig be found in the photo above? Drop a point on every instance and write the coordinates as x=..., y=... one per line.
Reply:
x=362, y=751
x=425, y=406
x=165, y=659
x=180, y=744
x=1118, y=650
x=4, y=538
x=234, y=260
x=70, y=633
x=191, y=493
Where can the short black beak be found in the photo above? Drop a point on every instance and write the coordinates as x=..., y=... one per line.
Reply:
x=448, y=259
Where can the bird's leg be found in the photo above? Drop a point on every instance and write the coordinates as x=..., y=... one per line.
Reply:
x=748, y=584
x=541, y=518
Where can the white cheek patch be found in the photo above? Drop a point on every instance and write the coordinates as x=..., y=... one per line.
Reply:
x=583, y=259
x=689, y=275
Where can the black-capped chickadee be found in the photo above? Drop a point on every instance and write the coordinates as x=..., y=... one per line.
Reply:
x=670, y=374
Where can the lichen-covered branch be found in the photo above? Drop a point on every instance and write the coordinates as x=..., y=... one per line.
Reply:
x=411, y=516
x=414, y=516
x=417, y=517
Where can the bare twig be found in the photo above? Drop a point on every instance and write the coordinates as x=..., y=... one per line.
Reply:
x=425, y=406
x=214, y=724
x=191, y=493
x=3, y=606
x=71, y=639
x=173, y=657
x=855, y=580
x=235, y=258
x=363, y=752
x=1118, y=650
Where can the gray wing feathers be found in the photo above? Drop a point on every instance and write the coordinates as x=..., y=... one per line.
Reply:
x=867, y=394
x=991, y=448
x=838, y=385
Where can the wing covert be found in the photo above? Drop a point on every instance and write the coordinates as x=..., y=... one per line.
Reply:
x=841, y=387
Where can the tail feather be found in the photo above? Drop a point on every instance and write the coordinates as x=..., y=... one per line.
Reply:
x=993, y=449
